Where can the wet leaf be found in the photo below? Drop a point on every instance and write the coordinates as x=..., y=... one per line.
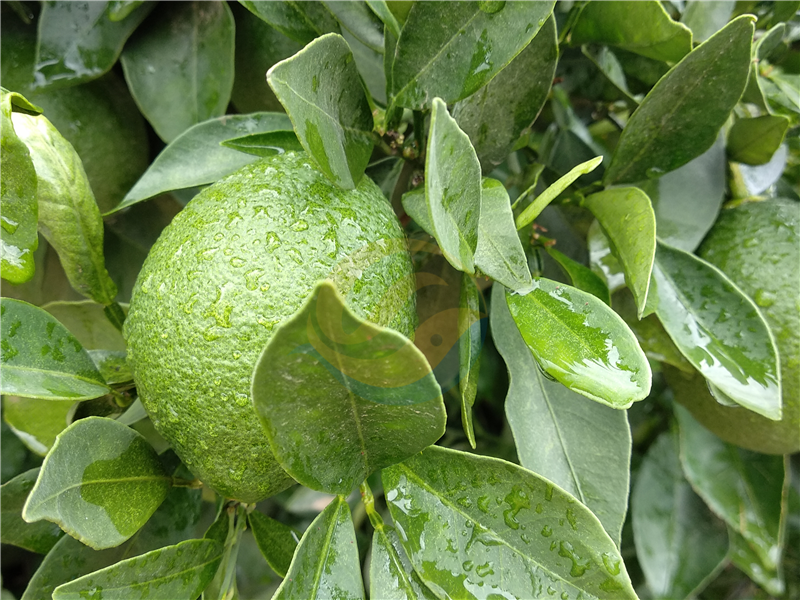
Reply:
x=85, y=320
x=452, y=189
x=100, y=482
x=602, y=261
x=180, y=70
x=676, y=122
x=276, y=541
x=743, y=555
x=37, y=537
x=474, y=526
x=754, y=141
x=369, y=395
x=581, y=277
x=391, y=575
x=718, y=329
x=36, y=422
x=41, y=359
x=196, y=157
x=325, y=564
x=628, y=220
x=300, y=21
x=757, y=180
x=113, y=366
x=582, y=343
x=579, y=445
x=359, y=20
x=496, y=115
x=470, y=343
x=706, y=18
x=644, y=28
x=265, y=144
x=322, y=92
x=452, y=50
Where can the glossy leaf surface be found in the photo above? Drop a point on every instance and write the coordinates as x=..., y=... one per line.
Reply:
x=581, y=277
x=416, y=207
x=475, y=526
x=601, y=260
x=452, y=189
x=550, y=424
x=705, y=18
x=744, y=556
x=754, y=141
x=325, y=564
x=676, y=123
x=582, y=343
x=180, y=71
x=86, y=321
x=36, y=422
x=437, y=54
x=265, y=144
x=100, y=482
x=628, y=220
x=391, y=575
x=360, y=21
x=718, y=329
x=177, y=572
x=321, y=90
x=41, y=359
x=37, y=537
x=384, y=13
x=679, y=542
x=197, y=158
x=113, y=366
x=276, y=541
x=300, y=21
x=470, y=344
x=368, y=395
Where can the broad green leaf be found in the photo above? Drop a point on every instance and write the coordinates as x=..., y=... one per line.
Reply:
x=677, y=122
x=79, y=41
x=470, y=344
x=322, y=92
x=196, y=157
x=300, y=21
x=384, y=13
x=680, y=543
x=36, y=422
x=718, y=329
x=754, y=141
x=68, y=213
x=579, y=445
x=706, y=17
x=753, y=181
x=644, y=28
x=359, y=20
x=743, y=488
x=416, y=207
x=41, y=359
x=265, y=144
x=582, y=343
x=581, y=277
x=18, y=187
x=628, y=220
x=36, y=537
x=495, y=116
x=180, y=70
x=100, y=483
x=450, y=50
x=391, y=575
x=743, y=555
x=476, y=527
x=499, y=253
x=368, y=395
x=608, y=64
x=85, y=320
x=179, y=572
x=325, y=565
x=452, y=189
x=370, y=64
x=276, y=541
x=113, y=366
x=602, y=261
x=535, y=208
x=120, y=9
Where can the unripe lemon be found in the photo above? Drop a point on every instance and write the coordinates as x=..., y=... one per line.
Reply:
x=758, y=246
x=241, y=258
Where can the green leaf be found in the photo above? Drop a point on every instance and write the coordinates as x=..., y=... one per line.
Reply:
x=416, y=207
x=579, y=445
x=179, y=572
x=325, y=564
x=706, y=18
x=41, y=359
x=180, y=71
x=535, y=208
x=509, y=532
x=680, y=543
x=644, y=28
x=322, y=92
x=86, y=321
x=628, y=220
x=265, y=144
x=36, y=422
x=120, y=9
x=754, y=141
x=18, y=187
x=496, y=115
x=582, y=343
x=370, y=64
x=470, y=344
x=744, y=556
x=452, y=189
x=78, y=41
x=610, y=67
x=450, y=50
x=718, y=329
x=276, y=541
x=384, y=13
x=743, y=488
x=499, y=253
x=391, y=575
x=100, y=482
x=113, y=366
x=301, y=21
x=196, y=157
x=359, y=20
x=681, y=116
x=368, y=395
x=68, y=213
x=581, y=277
x=602, y=261
x=36, y=537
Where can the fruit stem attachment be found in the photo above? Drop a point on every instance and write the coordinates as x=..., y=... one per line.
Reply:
x=223, y=586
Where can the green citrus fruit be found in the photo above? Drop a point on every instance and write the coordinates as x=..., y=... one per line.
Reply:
x=758, y=246
x=241, y=258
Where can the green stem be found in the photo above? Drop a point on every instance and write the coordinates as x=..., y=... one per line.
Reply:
x=369, y=503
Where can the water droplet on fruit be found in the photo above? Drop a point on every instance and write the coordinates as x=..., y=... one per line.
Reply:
x=546, y=531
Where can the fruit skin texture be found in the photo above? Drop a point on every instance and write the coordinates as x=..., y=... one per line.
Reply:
x=239, y=259
x=758, y=246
